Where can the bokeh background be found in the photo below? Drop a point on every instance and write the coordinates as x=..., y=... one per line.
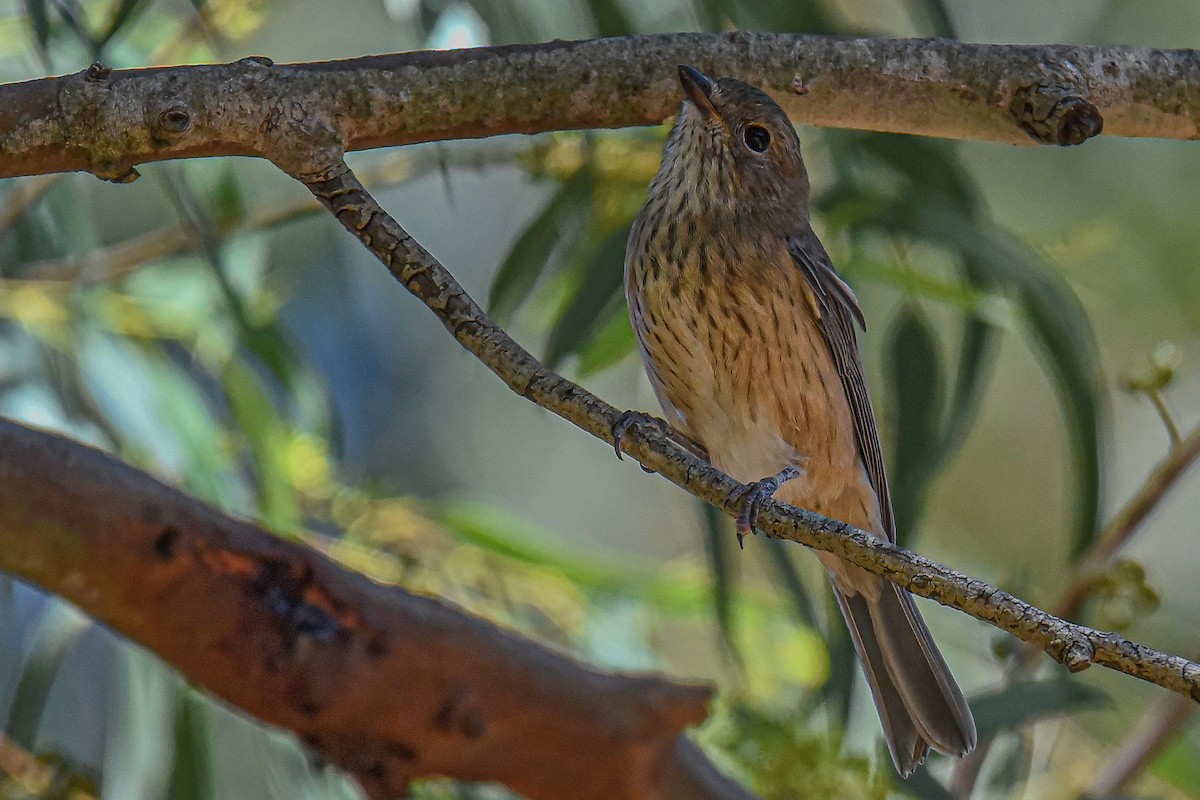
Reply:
x=1032, y=343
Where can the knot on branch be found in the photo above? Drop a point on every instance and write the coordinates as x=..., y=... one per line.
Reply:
x=1055, y=114
x=1074, y=654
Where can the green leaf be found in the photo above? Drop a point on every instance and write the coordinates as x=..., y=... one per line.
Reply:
x=613, y=342
x=935, y=14
x=597, y=292
x=797, y=15
x=1024, y=702
x=557, y=226
x=267, y=436
x=780, y=555
x=123, y=13
x=58, y=627
x=915, y=384
x=923, y=785
x=710, y=13
x=722, y=571
x=975, y=363
x=507, y=21
x=39, y=19
x=191, y=772
x=610, y=17
x=838, y=691
x=1179, y=763
x=1065, y=339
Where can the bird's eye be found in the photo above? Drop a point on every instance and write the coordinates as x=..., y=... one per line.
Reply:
x=757, y=138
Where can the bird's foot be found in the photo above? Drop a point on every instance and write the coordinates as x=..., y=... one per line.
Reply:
x=637, y=419
x=756, y=495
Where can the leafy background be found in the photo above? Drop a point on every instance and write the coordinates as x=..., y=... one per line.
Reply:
x=1031, y=314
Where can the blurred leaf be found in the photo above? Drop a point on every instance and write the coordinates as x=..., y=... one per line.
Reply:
x=192, y=768
x=267, y=437
x=613, y=342
x=915, y=384
x=123, y=13
x=923, y=785
x=935, y=14
x=974, y=364
x=838, y=691
x=784, y=759
x=184, y=415
x=930, y=209
x=780, y=556
x=56, y=631
x=1011, y=768
x=508, y=21
x=723, y=572
x=511, y=537
x=1064, y=334
x=1023, y=702
x=710, y=13
x=610, y=17
x=557, y=225
x=228, y=202
x=798, y=15
x=598, y=290
x=1179, y=764
x=39, y=19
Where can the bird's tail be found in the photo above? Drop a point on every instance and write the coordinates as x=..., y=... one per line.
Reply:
x=919, y=703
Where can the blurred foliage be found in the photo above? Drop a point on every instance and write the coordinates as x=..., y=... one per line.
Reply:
x=167, y=345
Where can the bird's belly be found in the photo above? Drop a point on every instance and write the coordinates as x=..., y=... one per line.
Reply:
x=752, y=380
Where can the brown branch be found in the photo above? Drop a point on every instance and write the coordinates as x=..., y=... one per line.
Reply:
x=1154, y=730
x=1075, y=646
x=1126, y=522
x=388, y=685
x=1114, y=536
x=116, y=261
x=106, y=121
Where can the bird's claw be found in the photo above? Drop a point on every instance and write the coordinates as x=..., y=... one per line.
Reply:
x=635, y=419
x=755, y=496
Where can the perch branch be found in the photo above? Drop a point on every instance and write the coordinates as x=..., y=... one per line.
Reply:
x=385, y=684
x=107, y=121
x=1075, y=646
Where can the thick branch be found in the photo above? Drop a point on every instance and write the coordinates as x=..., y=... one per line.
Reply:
x=1075, y=646
x=387, y=685
x=106, y=122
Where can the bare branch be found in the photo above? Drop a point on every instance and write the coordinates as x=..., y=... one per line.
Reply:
x=106, y=121
x=1075, y=646
x=388, y=685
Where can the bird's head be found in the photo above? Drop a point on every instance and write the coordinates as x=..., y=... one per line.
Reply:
x=734, y=150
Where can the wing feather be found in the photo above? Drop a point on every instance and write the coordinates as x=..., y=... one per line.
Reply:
x=838, y=312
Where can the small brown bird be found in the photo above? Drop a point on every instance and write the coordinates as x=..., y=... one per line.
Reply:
x=747, y=333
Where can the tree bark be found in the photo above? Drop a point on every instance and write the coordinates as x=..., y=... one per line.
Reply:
x=106, y=121
x=383, y=683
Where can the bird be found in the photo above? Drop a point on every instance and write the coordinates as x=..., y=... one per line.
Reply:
x=748, y=336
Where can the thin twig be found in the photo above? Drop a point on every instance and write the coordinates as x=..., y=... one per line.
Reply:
x=1153, y=731
x=1126, y=522
x=1115, y=535
x=116, y=261
x=1075, y=646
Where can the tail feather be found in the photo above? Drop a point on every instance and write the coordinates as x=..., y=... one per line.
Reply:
x=919, y=703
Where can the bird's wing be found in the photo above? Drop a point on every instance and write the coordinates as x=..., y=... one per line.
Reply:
x=838, y=311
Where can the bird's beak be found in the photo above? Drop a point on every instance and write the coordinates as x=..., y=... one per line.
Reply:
x=699, y=89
